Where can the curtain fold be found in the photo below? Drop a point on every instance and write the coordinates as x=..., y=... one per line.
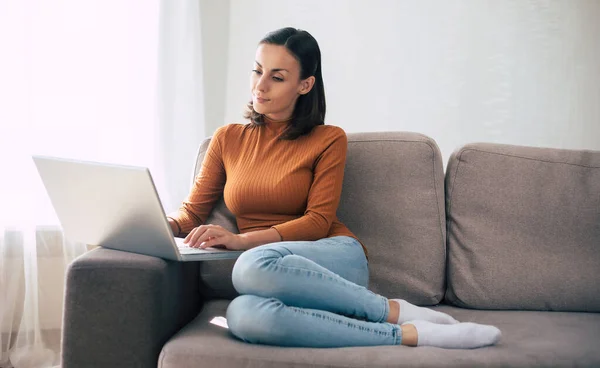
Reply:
x=33, y=262
x=109, y=81
x=180, y=103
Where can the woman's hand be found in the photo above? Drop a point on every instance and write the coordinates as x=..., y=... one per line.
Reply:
x=174, y=227
x=214, y=236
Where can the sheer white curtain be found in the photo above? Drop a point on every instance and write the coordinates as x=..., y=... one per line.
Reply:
x=180, y=96
x=102, y=80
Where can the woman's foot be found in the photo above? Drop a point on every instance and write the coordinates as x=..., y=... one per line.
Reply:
x=465, y=335
x=410, y=312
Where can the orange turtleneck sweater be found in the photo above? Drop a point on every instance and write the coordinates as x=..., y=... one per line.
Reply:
x=292, y=186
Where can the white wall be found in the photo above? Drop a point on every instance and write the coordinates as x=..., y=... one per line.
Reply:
x=459, y=71
x=215, y=45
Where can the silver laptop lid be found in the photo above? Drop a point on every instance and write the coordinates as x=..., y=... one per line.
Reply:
x=114, y=206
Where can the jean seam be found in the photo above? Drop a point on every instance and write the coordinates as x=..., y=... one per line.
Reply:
x=393, y=334
x=398, y=335
x=386, y=309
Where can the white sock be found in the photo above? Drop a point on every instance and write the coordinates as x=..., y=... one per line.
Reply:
x=410, y=312
x=465, y=335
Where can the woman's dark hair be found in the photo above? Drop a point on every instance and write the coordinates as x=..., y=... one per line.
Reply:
x=310, y=108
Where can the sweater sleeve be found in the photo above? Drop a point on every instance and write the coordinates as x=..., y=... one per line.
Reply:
x=207, y=189
x=323, y=196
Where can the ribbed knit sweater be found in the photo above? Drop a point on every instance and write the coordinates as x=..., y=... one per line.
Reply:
x=293, y=186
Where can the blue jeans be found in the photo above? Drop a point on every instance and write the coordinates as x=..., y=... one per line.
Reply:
x=308, y=294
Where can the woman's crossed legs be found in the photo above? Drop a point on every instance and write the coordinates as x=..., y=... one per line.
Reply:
x=313, y=294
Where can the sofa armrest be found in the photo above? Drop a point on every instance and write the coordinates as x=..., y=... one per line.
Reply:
x=120, y=308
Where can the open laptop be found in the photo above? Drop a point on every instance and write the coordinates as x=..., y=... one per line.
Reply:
x=117, y=207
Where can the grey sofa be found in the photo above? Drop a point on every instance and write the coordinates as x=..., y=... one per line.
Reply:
x=509, y=236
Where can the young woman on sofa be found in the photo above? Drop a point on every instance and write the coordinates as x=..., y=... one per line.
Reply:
x=304, y=275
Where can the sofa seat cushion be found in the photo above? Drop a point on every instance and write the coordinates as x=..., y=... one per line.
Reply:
x=528, y=339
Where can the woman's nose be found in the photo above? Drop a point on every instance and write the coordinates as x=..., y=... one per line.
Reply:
x=261, y=83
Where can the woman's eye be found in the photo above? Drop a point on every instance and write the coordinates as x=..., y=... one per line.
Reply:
x=278, y=79
x=256, y=71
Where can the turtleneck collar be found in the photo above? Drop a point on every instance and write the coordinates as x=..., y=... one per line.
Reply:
x=268, y=120
x=277, y=126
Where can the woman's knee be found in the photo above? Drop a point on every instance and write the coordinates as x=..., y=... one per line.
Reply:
x=253, y=318
x=250, y=272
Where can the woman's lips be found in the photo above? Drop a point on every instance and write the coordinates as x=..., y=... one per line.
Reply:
x=260, y=99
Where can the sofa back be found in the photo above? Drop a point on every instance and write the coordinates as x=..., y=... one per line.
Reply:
x=393, y=200
x=523, y=228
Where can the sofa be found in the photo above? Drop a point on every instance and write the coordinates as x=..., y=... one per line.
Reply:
x=506, y=235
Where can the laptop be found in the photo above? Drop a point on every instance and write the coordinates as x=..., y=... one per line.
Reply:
x=117, y=207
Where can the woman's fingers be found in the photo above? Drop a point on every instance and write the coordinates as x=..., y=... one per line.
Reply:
x=209, y=242
x=215, y=236
x=189, y=236
x=204, y=236
x=192, y=239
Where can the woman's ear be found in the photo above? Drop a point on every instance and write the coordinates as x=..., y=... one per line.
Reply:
x=306, y=85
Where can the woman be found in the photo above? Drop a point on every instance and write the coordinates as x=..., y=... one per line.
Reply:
x=303, y=277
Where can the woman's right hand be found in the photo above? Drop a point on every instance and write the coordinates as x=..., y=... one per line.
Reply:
x=174, y=227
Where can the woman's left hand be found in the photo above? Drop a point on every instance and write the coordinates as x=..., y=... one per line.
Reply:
x=213, y=236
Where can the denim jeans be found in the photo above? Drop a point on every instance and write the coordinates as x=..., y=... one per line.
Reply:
x=308, y=294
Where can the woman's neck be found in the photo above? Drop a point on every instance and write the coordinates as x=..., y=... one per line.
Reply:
x=276, y=121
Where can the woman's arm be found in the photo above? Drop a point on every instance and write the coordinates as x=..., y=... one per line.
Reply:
x=325, y=191
x=207, y=189
x=174, y=227
x=259, y=237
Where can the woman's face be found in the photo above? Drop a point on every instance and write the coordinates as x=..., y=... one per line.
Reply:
x=275, y=82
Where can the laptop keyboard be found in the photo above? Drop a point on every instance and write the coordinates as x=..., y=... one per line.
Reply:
x=185, y=249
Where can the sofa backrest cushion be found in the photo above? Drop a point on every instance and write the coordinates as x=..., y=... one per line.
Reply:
x=523, y=228
x=393, y=200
